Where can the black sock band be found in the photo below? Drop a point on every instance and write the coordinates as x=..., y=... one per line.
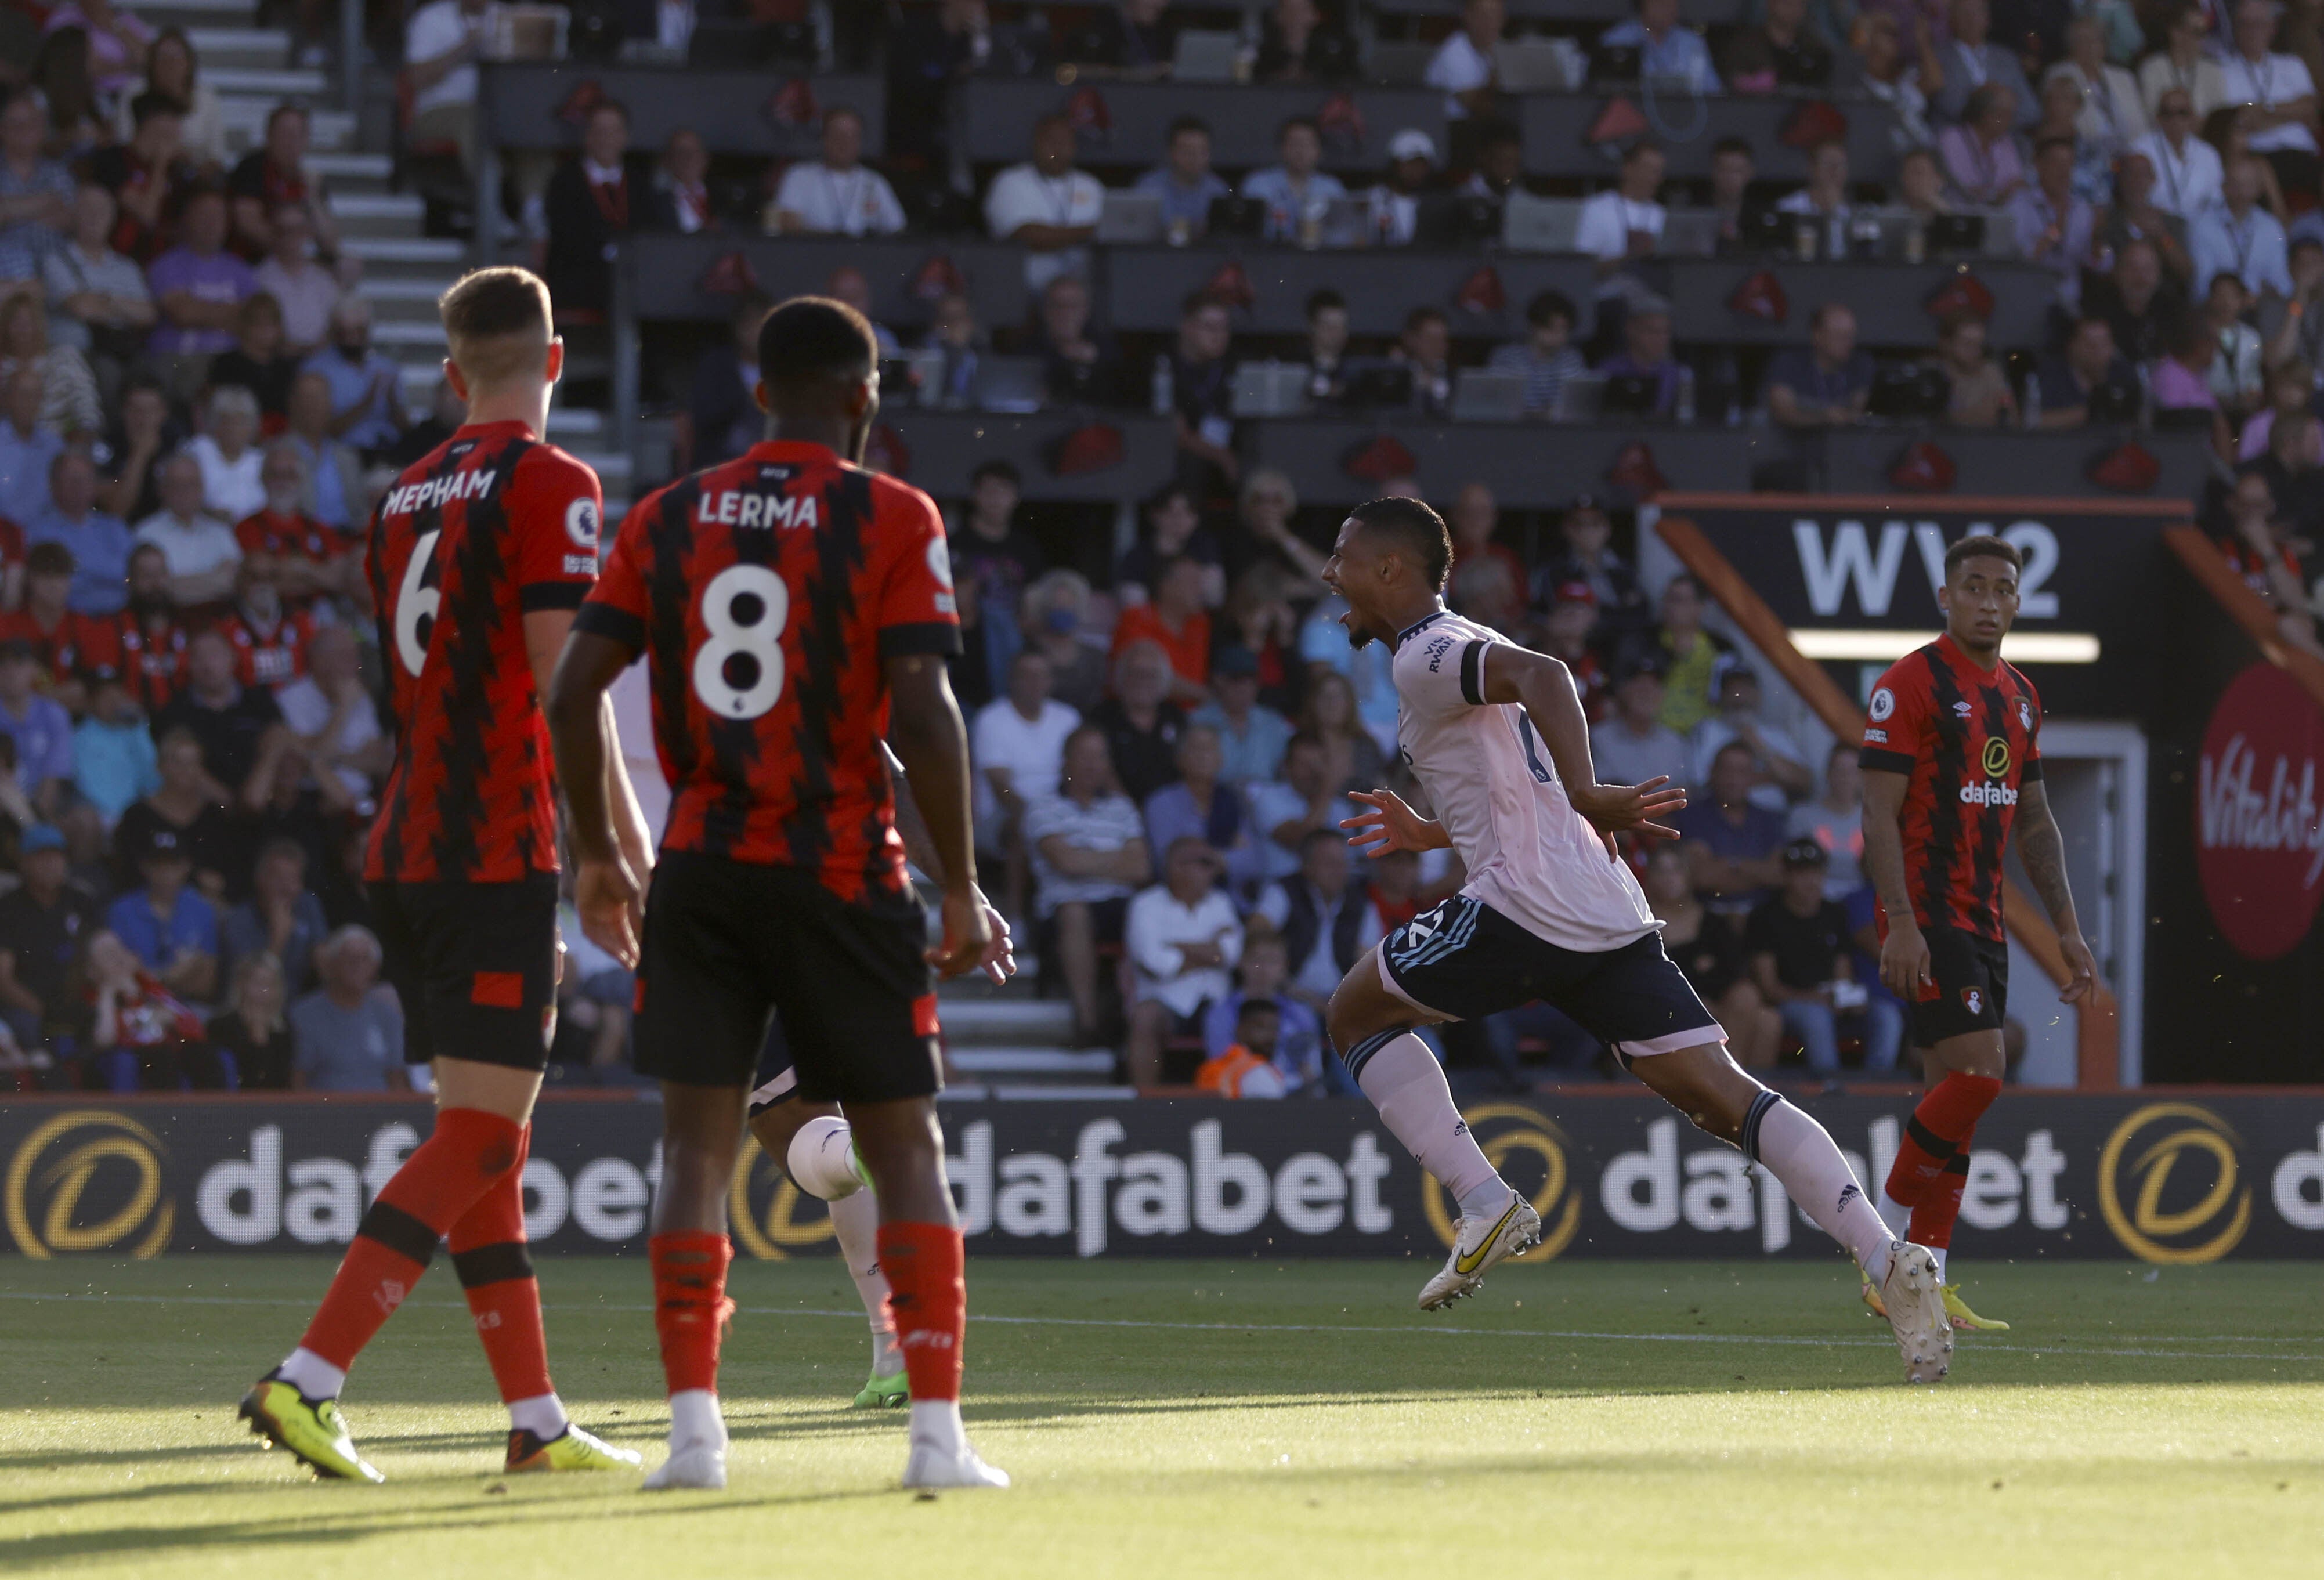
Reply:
x=400, y=1232
x=493, y=1264
x=1753, y=1119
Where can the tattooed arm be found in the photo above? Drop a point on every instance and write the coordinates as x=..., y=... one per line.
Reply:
x=2042, y=850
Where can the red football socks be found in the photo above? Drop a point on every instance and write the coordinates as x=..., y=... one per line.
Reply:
x=495, y=1269
x=467, y=1156
x=1939, y=1202
x=690, y=1305
x=929, y=1292
x=1939, y=1129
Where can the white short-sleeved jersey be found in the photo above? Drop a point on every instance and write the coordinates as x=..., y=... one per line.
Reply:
x=1529, y=854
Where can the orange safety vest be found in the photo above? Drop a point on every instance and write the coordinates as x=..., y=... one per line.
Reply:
x=1226, y=1074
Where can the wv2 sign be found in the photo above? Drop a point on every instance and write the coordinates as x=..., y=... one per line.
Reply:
x=1844, y=562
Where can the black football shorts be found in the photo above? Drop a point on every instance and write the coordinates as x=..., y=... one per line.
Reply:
x=1972, y=986
x=729, y=943
x=476, y=965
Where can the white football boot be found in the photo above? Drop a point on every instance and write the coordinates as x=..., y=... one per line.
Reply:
x=1478, y=1246
x=699, y=1466
x=932, y=1467
x=1912, y=1297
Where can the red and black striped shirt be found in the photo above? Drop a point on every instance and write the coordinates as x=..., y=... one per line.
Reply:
x=767, y=593
x=491, y=526
x=1967, y=740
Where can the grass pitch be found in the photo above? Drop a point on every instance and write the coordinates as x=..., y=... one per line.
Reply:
x=1690, y=1420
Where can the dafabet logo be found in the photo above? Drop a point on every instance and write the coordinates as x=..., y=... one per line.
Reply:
x=86, y=1180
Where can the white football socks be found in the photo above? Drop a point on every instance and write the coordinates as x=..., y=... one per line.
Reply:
x=936, y=1422
x=855, y=1220
x=1938, y=1252
x=312, y=1375
x=1407, y=1086
x=543, y=1415
x=694, y=1417
x=1801, y=1153
x=1895, y=1214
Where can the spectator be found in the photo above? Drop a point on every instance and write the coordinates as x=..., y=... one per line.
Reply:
x=952, y=333
x=273, y=178
x=2277, y=90
x=1905, y=80
x=1980, y=395
x=2141, y=310
x=1463, y=66
x=252, y=1029
x=137, y=1015
x=347, y=1036
x=1586, y=555
x=442, y=42
x=232, y=465
x=1085, y=369
x=1046, y=206
x=1826, y=383
x=1325, y=649
x=189, y=806
x=2239, y=235
x=1173, y=530
x=1324, y=918
x=334, y=721
x=1054, y=609
x=98, y=302
x=2236, y=377
x=99, y=542
x=2295, y=452
x=2090, y=171
x=1972, y=63
x=1823, y=204
x=1801, y=959
x=2185, y=63
x=2135, y=216
x=1353, y=760
x=1710, y=953
x=1259, y=618
x=2180, y=385
x=303, y=291
x=43, y=923
x=1667, y=51
x=149, y=175
x=1202, y=381
x=62, y=76
x=1184, y=181
x=1783, y=49
x=1980, y=152
x=144, y=431
x=281, y=919
x=117, y=41
x=1731, y=172
x=2257, y=546
x=1780, y=770
x=270, y=639
x=1298, y=43
x=1488, y=583
x=1694, y=655
x=28, y=446
x=1183, y=937
x=200, y=287
x=1499, y=163
x=306, y=558
x=1297, y=192
x=722, y=417
x=200, y=549
x=588, y=206
x=1646, y=352
x=1425, y=347
x=443, y=419
x=172, y=72
x=236, y=726
x=1632, y=744
x=68, y=402
x=931, y=53
x=1545, y=356
x=2055, y=225
x=333, y=474
x=993, y=560
x=1132, y=39
x=36, y=192
x=1835, y=821
x=2189, y=175
x=260, y=361
x=1246, y=1066
x=2113, y=116
x=42, y=731
x=1327, y=347
x=1018, y=747
x=679, y=201
x=1264, y=509
x=113, y=757
x=1298, y=1055
x=1392, y=206
x=1175, y=621
x=46, y=621
x=2290, y=386
x=1625, y=222
x=366, y=383
x=1921, y=187
x=1564, y=633
x=1732, y=844
x=169, y=926
x=1306, y=800
x=838, y=194
x=1200, y=805
x=1089, y=856
x=1139, y=722
x=1252, y=735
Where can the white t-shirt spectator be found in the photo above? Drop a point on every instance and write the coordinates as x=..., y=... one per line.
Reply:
x=1712, y=735
x=1158, y=923
x=1607, y=220
x=1021, y=195
x=1107, y=823
x=2188, y=179
x=1458, y=68
x=434, y=29
x=856, y=202
x=1623, y=758
x=194, y=548
x=306, y=297
x=2272, y=80
x=232, y=488
x=1032, y=751
x=306, y=711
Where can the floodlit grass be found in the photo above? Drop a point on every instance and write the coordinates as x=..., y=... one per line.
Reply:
x=1201, y=1417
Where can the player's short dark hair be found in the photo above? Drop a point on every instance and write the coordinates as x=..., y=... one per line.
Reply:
x=1257, y=1006
x=506, y=305
x=1732, y=144
x=1296, y=121
x=1642, y=146
x=1314, y=837
x=55, y=560
x=1983, y=546
x=1307, y=738
x=1422, y=315
x=610, y=107
x=810, y=339
x=1185, y=124
x=1201, y=300
x=1497, y=133
x=1317, y=300
x=2044, y=146
x=999, y=467
x=149, y=104
x=1415, y=530
x=1548, y=306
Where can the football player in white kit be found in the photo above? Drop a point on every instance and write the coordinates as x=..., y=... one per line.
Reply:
x=1496, y=736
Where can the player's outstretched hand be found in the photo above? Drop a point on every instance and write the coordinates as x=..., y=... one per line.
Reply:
x=2081, y=968
x=999, y=962
x=1904, y=961
x=611, y=906
x=967, y=933
x=1621, y=808
x=1386, y=825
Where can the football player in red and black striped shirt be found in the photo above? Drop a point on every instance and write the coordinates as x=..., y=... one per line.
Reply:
x=479, y=556
x=793, y=609
x=1951, y=762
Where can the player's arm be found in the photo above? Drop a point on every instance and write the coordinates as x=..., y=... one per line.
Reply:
x=1904, y=954
x=606, y=890
x=2042, y=852
x=928, y=737
x=1543, y=688
x=999, y=962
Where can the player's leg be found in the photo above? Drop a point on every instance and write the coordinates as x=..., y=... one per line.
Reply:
x=1456, y=962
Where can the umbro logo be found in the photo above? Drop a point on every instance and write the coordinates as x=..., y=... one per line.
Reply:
x=1961, y=708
